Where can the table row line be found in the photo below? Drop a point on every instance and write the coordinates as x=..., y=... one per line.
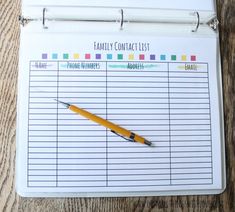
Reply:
x=113, y=161
x=122, y=166
x=135, y=154
x=120, y=172
x=103, y=132
x=100, y=145
x=95, y=177
x=96, y=66
x=119, y=184
x=89, y=149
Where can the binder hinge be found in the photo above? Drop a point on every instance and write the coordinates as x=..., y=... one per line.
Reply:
x=23, y=21
x=213, y=24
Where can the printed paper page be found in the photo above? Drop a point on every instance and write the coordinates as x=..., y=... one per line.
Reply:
x=162, y=88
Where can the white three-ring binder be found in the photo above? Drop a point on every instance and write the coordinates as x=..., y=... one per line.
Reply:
x=152, y=67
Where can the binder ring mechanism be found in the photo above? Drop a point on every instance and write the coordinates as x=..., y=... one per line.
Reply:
x=44, y=18
x=24, y=21
x=122, y=19
x=198, y=21
x=213, y=23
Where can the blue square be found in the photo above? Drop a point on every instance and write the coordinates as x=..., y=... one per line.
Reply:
x=163, y=57
x=109, y=56
x=54, y=56
x=44, y=56
x=152, y=57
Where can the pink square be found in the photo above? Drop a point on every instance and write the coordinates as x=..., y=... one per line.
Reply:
x=141, y=57
x=87, y=56
x=193, y=58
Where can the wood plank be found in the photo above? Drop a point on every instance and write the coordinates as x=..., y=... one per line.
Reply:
x=10, y=201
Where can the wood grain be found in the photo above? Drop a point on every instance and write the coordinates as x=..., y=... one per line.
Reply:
x=10, y=201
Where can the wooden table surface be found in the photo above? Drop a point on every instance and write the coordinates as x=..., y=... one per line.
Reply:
x=10, y=201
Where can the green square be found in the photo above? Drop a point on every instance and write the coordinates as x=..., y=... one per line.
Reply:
x=173, y=57
x=66, y=56
x=120, y=56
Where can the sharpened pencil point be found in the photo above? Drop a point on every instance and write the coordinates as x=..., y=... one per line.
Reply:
x=67, y=105
x=147, y=142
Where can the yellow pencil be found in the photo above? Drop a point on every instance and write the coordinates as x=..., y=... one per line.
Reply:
x=113, y=127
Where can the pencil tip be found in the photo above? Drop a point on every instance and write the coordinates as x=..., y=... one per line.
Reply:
x=67, y=105
x=148, y=142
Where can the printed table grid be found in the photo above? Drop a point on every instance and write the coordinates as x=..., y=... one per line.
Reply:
x=163, y=105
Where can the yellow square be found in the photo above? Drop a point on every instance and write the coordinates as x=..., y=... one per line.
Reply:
x=184, y=58
x=131, y=57
x=76, y=56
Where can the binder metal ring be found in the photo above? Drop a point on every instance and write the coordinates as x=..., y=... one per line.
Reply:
x=122, y=19
x=44, y=18
x=198, y=21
